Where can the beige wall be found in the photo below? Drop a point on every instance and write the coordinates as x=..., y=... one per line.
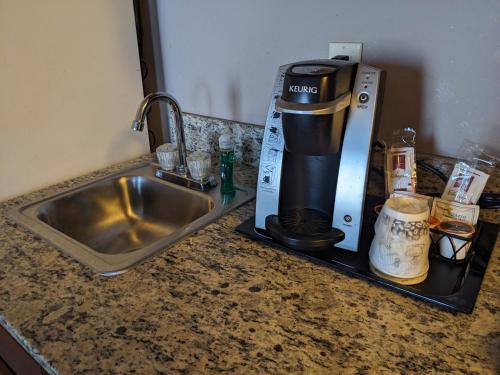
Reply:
x=69, y=87
x=442, y=58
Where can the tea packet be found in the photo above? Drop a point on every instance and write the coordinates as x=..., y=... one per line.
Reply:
x=400, y=162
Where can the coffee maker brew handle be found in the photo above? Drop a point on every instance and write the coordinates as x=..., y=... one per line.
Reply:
x=310, y=242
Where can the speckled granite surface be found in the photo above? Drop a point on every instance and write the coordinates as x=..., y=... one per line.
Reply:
x=202, y=133
x=218, y=302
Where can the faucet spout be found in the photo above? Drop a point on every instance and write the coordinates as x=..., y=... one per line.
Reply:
x=138, y=123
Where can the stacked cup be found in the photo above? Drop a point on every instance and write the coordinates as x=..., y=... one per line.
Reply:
x=399, y=251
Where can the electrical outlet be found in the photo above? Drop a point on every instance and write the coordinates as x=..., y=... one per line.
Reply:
x=353, y=50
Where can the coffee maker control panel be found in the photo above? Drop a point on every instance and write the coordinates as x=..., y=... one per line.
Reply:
x=355, y=159
x=271, y=157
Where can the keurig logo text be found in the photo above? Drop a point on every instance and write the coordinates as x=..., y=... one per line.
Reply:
x=305, y=89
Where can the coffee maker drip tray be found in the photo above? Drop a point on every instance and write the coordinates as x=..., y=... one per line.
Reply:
x=304, y=229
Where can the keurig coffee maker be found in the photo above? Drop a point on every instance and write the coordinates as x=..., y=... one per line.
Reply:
x=315, y=154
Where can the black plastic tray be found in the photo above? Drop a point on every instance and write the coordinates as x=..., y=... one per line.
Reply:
x=451, y=285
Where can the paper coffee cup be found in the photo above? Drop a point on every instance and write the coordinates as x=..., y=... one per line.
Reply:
x=401, y=244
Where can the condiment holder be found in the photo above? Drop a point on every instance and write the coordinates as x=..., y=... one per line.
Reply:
x=453, y=240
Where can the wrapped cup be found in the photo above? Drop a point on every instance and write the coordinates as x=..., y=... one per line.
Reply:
x=199, y=165
x=401, y=244
x=168, y=156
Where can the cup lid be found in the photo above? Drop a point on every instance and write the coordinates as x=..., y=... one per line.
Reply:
x=459, y=228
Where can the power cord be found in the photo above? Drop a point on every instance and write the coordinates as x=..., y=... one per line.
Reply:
x=430, y=168
x=489, y=201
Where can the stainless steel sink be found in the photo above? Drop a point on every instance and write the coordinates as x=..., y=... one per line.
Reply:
x=119, y=221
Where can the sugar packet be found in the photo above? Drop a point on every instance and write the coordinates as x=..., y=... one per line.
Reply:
x=465, y=184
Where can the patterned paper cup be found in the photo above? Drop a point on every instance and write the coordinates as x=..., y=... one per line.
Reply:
x=401, y=244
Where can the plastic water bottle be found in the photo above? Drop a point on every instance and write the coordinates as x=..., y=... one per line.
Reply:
x=226, y=158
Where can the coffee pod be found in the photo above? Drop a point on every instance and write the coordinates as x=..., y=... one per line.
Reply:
x=451, y=247
x=400, y=248
x=433, y=222
x=377, y=209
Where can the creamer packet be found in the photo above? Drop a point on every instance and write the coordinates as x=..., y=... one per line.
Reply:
x=444, y=210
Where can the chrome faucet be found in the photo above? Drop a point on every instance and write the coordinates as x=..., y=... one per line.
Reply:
x=138, y=123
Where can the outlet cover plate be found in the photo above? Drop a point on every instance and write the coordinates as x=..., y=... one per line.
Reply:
x=353, y=50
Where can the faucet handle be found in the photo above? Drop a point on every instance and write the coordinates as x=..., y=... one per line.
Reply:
x=199, y=165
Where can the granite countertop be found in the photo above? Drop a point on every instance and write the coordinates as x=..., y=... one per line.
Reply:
x=219, y=302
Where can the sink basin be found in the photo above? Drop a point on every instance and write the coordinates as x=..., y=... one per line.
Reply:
x=119, y=221
x=123, y=214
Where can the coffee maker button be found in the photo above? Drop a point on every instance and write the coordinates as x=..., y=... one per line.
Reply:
x=347, y=218
x=363, y=97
